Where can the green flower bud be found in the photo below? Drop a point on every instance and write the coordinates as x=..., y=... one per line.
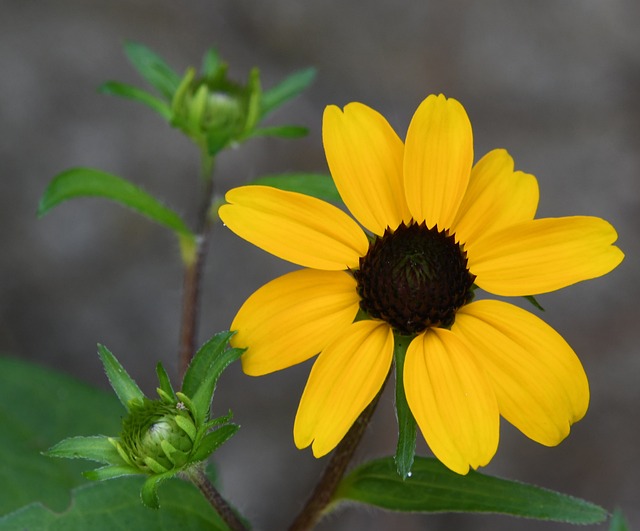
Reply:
x=157, y=437
x=214, y=110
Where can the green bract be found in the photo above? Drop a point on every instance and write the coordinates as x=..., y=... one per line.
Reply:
x=164, y=437
x=209, y=107
x=152, y=438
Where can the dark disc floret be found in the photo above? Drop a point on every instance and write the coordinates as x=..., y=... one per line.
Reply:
x=414, y=278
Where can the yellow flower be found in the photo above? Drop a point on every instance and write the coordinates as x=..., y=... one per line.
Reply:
x=435, y=227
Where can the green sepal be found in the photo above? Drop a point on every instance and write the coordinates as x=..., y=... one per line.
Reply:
x=153, y=68
x=115, y=441
x=155, y=467
x=115, y=88
x=165, y=383
x=254, y=90
x=166, y=398
x=123, y=385
x=96, y=448
x=149, y=492
x=110, y=472
x=318, y=185
x=432, y=487
x=286, y=90
x=213, y=440
x=217, y=141
x=204, y=370
x=618, y=522
x=177, y=457
x=89, y=182
x=533, y=301
x=211, y=63
x=186, y=401
x=281, y=131
x=407, y=428
x=186, y=425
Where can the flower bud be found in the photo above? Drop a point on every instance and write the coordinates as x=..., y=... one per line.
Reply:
x=214, y=110
x=156, y=437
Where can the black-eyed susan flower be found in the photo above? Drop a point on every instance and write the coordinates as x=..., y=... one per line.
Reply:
x=430, y=227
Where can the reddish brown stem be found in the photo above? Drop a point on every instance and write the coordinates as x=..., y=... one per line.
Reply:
x=326, y=487
x=192, y=283
x=200, y=480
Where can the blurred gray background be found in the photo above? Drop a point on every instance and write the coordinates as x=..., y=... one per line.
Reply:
x=556, y=83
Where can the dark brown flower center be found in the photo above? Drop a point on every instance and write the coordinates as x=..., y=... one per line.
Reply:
x=414, y=278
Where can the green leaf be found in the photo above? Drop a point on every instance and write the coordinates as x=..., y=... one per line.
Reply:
x=123, y=90
x=115, y=506
x=434, y=488
x=111, y=472
x=196, y=373
x=213, y=440
x=282, y=131
x=204, y=370
x=407, y=428
x=533, y=301
x=287, y=89
x=95, y=448
x=124, y=386
x=38, y=408
x=618, y=522
x=88, y=182
x=153, y=68
x=313, y=184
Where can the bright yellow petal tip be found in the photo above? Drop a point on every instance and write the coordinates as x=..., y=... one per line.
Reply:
x=539, y=382
x=345, y=378
x=292, y=318
x=365, y=159
x=544, y=255
x=452, y=400
x=295, y=227
x=437, y=160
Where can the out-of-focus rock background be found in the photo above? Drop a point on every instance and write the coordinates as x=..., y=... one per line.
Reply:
x=556, y=83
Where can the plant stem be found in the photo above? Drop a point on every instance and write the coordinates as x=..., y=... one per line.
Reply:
x=326, y=487
x=193, y=280
x=200, y=480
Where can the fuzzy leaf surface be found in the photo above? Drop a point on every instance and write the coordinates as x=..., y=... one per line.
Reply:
x=205, y=369
x=38, y=408
x=153, y=68
x=124, y=386
x=116, y=506
x=89, y=182
x=286, y=90
x=115, y=88
x=434, y=488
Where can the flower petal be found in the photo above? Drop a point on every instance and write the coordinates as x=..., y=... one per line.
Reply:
x=292, y=318
x=343, y=381
x=452, y=400
x=365, y=159
x=543, y=255
x=496, y=197
x=539, y=382
x=295, y=227
x=437, y=160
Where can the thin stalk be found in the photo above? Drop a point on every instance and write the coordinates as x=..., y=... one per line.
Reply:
x=200, y=480
x=193, y=273
x=333, y=474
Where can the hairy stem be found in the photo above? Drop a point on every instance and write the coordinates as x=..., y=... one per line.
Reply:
x=193, y=281
x=200, y=480
x=326, y=487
